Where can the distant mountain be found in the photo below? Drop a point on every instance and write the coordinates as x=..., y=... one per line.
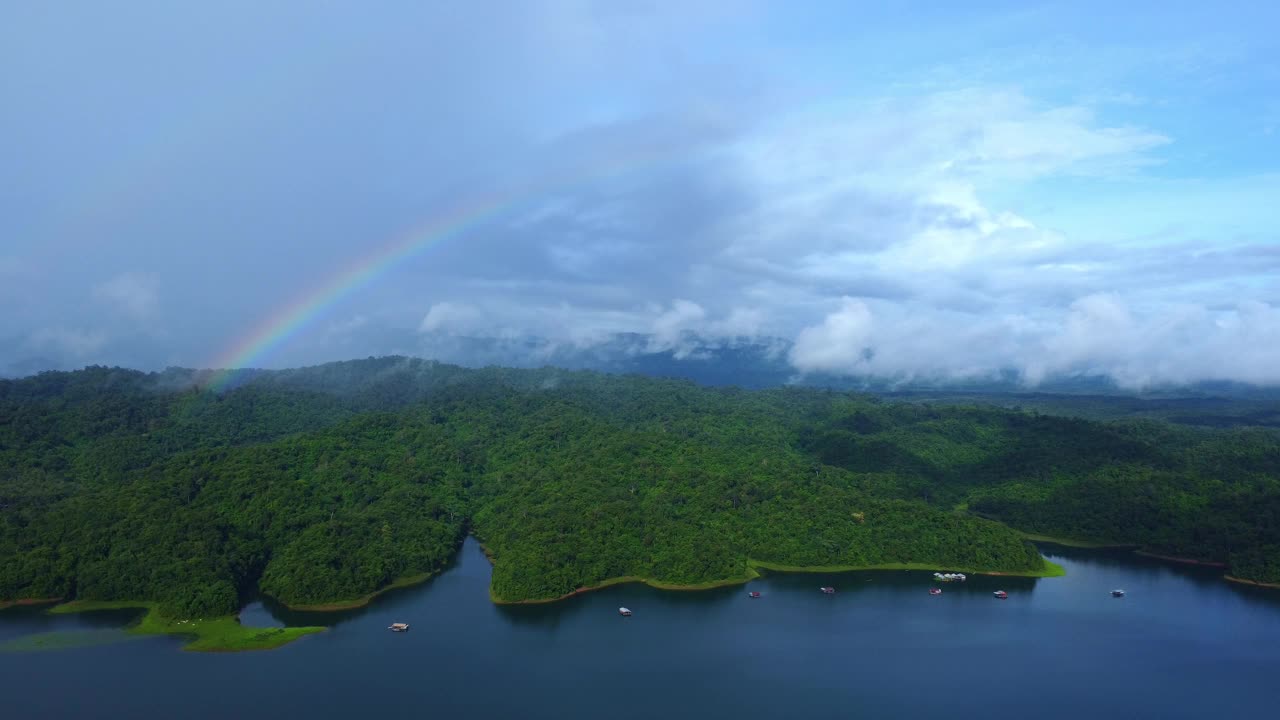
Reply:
x=762, y=362
x=750, y=363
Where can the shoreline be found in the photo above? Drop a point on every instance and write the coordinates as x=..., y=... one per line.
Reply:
x=1181, y=560
x=754, y=567
x=217, y=634
x=25, y=602
x=1255, y=583
x=1137, y=550
x=1084, y=544
x=1051, y=569
x=624, y=579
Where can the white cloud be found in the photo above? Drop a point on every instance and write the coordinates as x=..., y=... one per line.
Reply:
x=1174, y=343
x=869, y=237
x=671, y=328
x=1097, y=335
x=841, y=343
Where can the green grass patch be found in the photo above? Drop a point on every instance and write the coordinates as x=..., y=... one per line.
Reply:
x=217, y=634
x=76, y=606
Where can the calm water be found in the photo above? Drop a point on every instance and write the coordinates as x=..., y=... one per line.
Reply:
x=1182, y=644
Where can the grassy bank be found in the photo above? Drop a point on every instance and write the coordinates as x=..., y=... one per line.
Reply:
x=1075, y=543
x=1255, y=583
x=27, y=601
x=751, y=575
x=218, y=634
x=754, y=568
x=1184, y=561
x=1051, y=569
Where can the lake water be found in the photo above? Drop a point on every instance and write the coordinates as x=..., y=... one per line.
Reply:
x=1183, y=643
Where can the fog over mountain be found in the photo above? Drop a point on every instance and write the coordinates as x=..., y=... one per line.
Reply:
x=1021, y=194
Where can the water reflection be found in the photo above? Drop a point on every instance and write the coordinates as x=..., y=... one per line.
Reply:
x=465, y=580
x=1133, y=565
x=531, y=616
x=880, y=647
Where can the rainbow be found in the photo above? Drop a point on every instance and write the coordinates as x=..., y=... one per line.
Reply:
x=290, y=319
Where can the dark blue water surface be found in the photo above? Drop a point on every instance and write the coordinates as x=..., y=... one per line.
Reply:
x=1183, y=643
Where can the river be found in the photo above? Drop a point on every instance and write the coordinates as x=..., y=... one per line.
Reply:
x=1182, y=643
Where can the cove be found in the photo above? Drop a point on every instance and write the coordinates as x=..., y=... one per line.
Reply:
x=1182, y=643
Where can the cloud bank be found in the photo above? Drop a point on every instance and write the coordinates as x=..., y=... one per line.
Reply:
x=1020, y=192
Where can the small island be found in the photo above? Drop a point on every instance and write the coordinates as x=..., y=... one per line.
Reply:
x=215, y=634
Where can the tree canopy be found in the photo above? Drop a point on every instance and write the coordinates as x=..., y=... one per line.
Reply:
x=324, y=484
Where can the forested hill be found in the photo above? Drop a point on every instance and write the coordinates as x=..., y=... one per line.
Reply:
x=325, y=484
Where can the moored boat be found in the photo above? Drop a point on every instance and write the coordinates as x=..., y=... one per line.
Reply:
x=935, y=591
x=1001, y=594
x=1117, y=593
x=753, y=594
x=828, y=590
x=624, y=612
x=398, y=627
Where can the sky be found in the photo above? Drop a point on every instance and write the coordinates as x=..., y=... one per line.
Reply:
x=907, y=190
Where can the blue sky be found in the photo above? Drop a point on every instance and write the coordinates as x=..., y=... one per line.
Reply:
x=929, y=189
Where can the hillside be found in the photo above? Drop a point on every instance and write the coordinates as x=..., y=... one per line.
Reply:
x=322, y=485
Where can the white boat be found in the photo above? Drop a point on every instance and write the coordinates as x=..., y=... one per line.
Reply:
x=624, y=612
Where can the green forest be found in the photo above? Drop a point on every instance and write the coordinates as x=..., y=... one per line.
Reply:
x=322, y=485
